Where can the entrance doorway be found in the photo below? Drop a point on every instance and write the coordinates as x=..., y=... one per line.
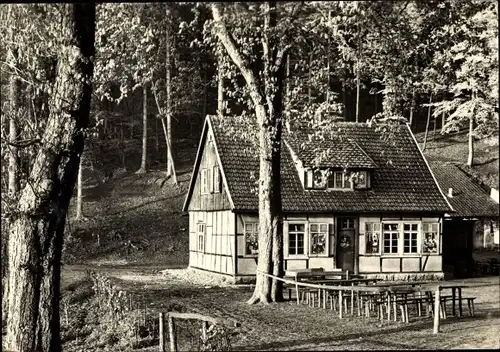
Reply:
x=346, y=243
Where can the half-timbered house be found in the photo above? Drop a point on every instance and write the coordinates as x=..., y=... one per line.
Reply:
x=370, y=204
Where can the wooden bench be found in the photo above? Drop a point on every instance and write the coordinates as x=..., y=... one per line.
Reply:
x=469, y=300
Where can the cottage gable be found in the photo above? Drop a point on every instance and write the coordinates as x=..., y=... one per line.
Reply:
x=208, y=190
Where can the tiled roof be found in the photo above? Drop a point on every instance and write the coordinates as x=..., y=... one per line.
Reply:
x=341, y=153
x=402, y=181
x=469, y=200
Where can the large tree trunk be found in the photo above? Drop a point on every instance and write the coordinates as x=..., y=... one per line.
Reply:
x=36, y=233
x=470, y=157
x=428, y=123
x=270, y=126
x=13, y=177
x=143, y=167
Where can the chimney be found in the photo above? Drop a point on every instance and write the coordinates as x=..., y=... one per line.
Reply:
x=450, y=192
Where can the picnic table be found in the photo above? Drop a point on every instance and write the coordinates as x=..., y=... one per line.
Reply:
x=435, y=287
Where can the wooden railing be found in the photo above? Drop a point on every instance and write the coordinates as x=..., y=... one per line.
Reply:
x=187, y=316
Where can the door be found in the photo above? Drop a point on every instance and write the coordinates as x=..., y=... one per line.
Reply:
x=346, y=243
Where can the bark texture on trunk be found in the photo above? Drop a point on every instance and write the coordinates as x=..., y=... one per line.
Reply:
x=13, y=176
x=36, y=232
x=428, y=123
x=143, y=167
x=14, y=101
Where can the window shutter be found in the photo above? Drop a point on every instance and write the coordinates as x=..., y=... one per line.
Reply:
x=308, y=179
x=331, y=234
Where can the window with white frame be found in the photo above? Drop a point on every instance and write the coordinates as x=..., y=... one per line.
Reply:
x=430, y=240
x=217, y=179
x=372, y=237
x=296, y=239
x=339, y=180
x=200, y=237
x=318, y=239
x=204, y=181
x=251, y=238
x=391, y=237
x=410, y=238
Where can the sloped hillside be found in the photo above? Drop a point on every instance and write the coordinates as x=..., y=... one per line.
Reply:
x=132, y=219
x=454, y=148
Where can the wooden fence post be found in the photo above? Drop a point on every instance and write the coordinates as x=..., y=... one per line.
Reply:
x=437, y=299
x=162, y=336
x=171, y=334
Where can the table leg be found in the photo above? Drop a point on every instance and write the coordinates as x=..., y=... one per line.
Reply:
x=459, y=301
x=340, y=304
x=453, y=300
x=352, y=302
x=394, y=308
x=358, y=302
x=297, y=293
x=388, y=306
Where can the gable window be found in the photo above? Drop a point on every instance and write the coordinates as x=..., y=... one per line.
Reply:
x=217, y=180
x=296, y=239
x=372, y=235
x=410, y=238
x=200, y=234
x=204, y=181
x=251, y=238
x=319, y=239
x=430, y=232
x=391, y=237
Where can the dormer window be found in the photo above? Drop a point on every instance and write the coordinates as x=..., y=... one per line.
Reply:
x=336, y=179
